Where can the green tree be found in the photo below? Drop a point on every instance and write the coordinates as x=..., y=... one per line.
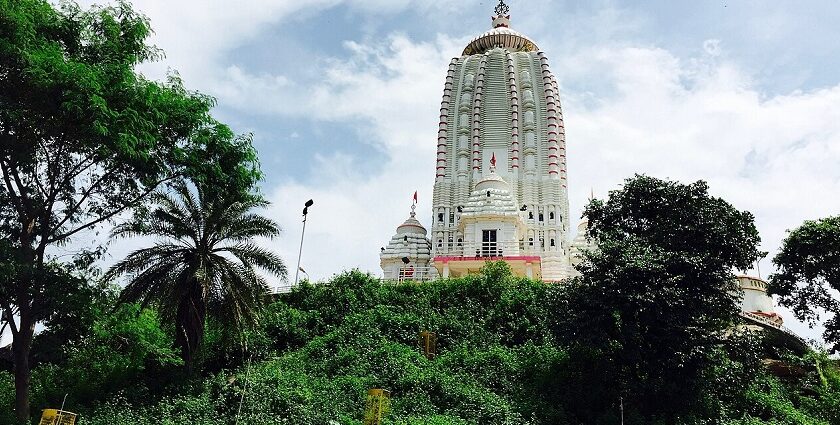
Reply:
x=205, y=263
x=83, y=137
x=809, y=272
x=656, y=298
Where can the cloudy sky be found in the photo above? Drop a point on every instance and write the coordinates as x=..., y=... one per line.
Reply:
x=342, y=97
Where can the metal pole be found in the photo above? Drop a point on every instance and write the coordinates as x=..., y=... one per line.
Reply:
x=244, y=389
x=621, y=400
x=300, y=252
x=61, y=411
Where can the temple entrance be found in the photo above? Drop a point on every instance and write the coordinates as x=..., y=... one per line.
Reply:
x=489, y=244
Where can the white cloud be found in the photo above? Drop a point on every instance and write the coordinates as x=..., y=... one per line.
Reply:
x=392, y=93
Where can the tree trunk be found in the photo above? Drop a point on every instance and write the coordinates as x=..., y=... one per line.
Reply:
x=21, y=347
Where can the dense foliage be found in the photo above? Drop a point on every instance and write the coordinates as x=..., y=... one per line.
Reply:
x=321, y=347
x=808, y=276
x=657, y=299
x=84, y=137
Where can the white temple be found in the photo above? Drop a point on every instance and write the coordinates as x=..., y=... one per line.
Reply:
x=500, y=185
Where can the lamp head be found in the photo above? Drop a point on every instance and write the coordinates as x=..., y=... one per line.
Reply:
x=309, y=203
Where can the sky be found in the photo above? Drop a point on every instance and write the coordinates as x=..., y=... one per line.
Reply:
x=342, y=97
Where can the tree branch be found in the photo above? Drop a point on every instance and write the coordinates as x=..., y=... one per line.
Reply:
x=10, y=319
x=10, y=188
x=85, y=195
x=113, y=213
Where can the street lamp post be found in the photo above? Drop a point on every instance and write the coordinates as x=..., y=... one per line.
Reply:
x=306, y=206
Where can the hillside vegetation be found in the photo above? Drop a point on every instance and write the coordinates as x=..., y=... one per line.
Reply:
x=320, y=348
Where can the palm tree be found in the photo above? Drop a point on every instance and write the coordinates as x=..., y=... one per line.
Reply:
x=204, y=262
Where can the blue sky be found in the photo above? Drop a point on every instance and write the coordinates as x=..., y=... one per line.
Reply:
x=343, y=96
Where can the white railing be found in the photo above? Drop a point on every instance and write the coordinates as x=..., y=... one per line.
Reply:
x=416, y=274
x=282, y=289
x=773, y=324
x=494, y=249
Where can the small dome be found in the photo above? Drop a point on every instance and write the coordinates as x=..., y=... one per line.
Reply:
x=491, y=196
x=409, y=241
x=492, y=181
x=411, y=225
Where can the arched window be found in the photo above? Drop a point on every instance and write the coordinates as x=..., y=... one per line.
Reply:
x=552, y=242
x=551, y=215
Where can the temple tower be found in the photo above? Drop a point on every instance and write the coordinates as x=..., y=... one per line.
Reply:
x=500, y=104
x=408, y=253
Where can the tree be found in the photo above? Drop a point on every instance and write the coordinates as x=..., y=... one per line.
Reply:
x=656, y=298
x=205, y=263
x=809, y=274
x=83, y=138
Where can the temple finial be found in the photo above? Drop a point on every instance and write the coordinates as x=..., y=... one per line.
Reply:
x=502, y=9
x=502, y=18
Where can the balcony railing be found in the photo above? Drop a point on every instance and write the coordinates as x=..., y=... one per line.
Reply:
x=492, y=249
x=416, y=274
x=768, y=322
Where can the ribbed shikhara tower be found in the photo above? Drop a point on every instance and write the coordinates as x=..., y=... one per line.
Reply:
x=501, y=99
x=500, y=185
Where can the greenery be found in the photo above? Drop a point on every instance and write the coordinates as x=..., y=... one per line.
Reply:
x=204, y=263
x=320, y=348
x=83, y=138
x=809, y=274
x=665, y=251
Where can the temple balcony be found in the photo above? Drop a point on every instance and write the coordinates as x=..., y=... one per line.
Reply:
x=468, y=258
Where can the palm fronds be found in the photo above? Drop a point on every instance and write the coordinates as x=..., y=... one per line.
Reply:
x=205, y=262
